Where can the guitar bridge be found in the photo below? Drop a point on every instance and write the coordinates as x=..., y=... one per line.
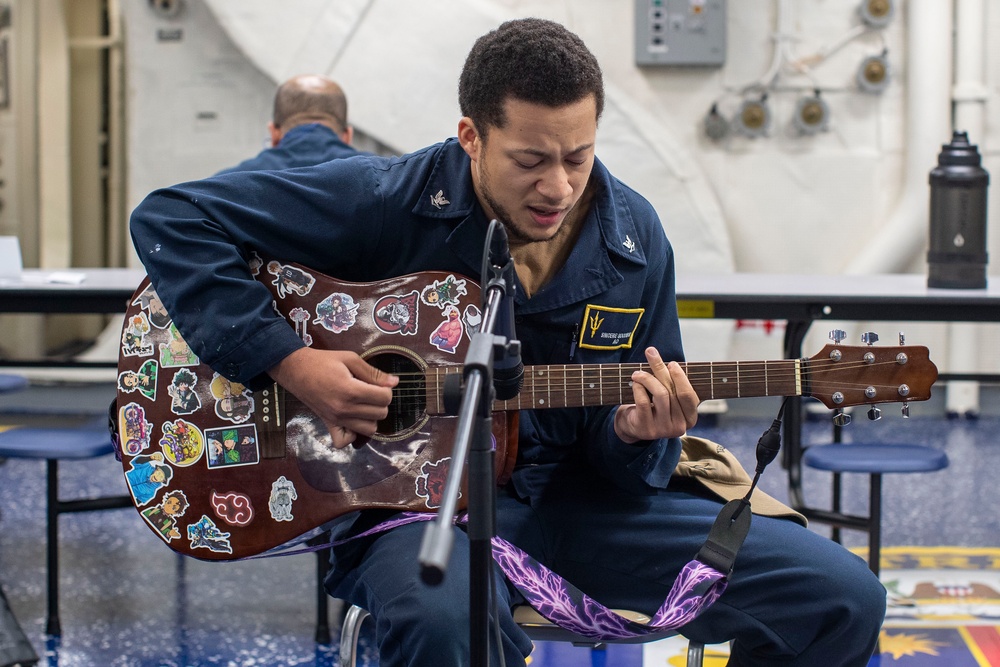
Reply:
x=269, y=418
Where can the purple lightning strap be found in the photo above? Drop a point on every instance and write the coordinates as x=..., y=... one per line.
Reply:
x=699, y=584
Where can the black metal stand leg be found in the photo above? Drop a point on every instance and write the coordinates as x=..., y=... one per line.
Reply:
x=875, y=530
x=52, y=625
x=322, y=599
x=835, y=531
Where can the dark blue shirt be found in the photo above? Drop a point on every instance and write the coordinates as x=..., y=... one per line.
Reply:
x=301, y=146
x=367, y=218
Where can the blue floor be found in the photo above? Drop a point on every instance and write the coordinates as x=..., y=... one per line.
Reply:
x=127, y=600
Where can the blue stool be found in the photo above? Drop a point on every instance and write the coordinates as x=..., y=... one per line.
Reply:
x=52, y=445
x=11, y=383
x=874, y=460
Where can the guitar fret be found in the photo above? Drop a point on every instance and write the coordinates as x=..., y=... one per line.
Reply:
x=621, y=397
x=711, y=377
x=548, y=387
x=766, y=391
x=738, y=387
x=438, y=392
x=565, y=384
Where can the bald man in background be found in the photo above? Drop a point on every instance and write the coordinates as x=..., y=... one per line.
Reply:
x=309, y=126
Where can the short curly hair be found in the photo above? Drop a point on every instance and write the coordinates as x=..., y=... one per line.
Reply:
x=533, y=60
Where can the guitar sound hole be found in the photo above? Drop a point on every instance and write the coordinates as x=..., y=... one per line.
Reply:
x=407, y=412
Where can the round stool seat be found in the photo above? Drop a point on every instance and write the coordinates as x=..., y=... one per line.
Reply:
x=875, y=458
x=10, y=382
x=30, y=442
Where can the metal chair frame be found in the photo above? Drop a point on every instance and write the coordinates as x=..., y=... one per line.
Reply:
x=534, y=624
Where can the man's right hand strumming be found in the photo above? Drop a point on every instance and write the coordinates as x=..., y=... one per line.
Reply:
x=346, y=392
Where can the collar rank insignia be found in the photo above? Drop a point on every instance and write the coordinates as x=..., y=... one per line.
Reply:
x=438, y=200
x=629, y=243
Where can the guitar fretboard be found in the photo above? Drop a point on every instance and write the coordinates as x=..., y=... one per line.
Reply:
x=580, y=385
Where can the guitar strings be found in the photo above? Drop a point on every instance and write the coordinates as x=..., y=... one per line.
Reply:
x=587, y=379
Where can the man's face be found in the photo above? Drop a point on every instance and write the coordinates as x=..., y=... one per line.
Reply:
x=532, y=172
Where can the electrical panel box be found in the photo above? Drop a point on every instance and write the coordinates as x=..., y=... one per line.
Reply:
x=680, y=32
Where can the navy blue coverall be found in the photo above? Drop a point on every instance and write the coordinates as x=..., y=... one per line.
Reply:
x=602, y=513
x=301, y=146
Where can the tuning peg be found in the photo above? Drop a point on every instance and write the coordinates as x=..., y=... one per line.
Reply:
x=841, y=418
x=874, y=414
x=869, y=337
x=902, y=338
x=837, y=335
x=906, y=410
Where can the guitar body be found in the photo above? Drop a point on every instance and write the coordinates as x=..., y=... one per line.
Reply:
x=219, y=472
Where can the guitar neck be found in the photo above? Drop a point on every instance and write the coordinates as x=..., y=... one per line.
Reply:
x=582, y=385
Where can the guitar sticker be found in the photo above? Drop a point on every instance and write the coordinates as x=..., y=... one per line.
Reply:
x=290, y=279
x=430, y=483
x=448, y=334
x=134, y=337
x=176, y=352
x=143, y=380
x=183, y=398
x=163, y=517
x=397, y=314
x=233, y=446
x=255, y=263
x=135, y=432
x=182, y=442
x=151, y=303
x=147, y=475
x=233, y=508
x=472, y=318
x=300, y=316
x=337, y=312
x=205, y=535
x=233, y=402
x=280, y=503
x=443, y=293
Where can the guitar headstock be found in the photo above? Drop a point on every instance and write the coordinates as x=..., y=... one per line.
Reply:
x=843, y=375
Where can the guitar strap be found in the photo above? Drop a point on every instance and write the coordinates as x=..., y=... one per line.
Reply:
x=700, y=582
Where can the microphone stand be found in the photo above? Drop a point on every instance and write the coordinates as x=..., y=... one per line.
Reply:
x=474, y=439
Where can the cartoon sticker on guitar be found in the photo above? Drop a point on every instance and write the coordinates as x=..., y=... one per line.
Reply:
x=230, y=447
x=147, y=475
x=151, y=303
x=204, y=534
x=143, y=380
x=431, y=481
x=134, y=337
x=397, y=314
x=448, y=334
x=233, y=508
x=183, y=398
x=233, y=401
x=133, y=429
x=182, y=442
x=176, y=352
x=289, y=278
x=163, y=517
x=443, y=293
x=336, y=313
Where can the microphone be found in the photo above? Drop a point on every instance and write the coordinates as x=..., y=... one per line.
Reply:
x=508, y=370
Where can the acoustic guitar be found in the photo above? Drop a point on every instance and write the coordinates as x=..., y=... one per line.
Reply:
x=220, y=472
